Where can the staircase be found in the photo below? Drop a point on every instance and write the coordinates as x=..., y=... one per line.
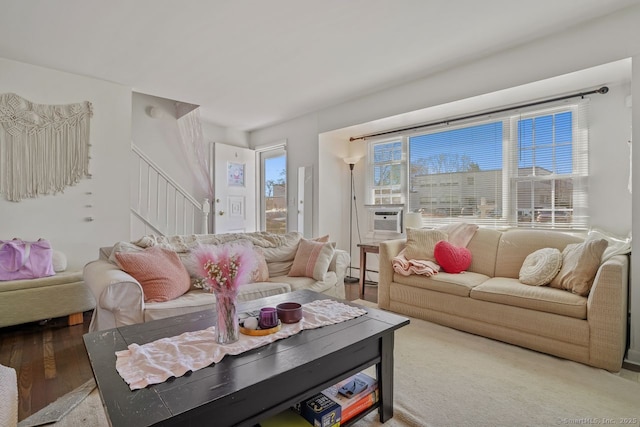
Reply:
x=160, y=206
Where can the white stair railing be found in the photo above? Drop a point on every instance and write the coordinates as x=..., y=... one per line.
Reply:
x=161, y=204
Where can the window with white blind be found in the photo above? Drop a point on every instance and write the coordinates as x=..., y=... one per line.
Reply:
x=525, y=170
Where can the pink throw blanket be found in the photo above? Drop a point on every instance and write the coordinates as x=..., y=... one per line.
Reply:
x=459, y=234
x=407, y=267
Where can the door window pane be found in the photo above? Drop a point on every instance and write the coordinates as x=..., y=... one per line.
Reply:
x=274, y=167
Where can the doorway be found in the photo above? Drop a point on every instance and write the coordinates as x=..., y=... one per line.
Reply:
x=273, y=189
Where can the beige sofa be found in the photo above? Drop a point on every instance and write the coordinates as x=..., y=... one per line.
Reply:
x=30, y=300
x=120, y=299
x=489, y=300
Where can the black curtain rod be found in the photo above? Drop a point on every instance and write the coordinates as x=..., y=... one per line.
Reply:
x=602, y=91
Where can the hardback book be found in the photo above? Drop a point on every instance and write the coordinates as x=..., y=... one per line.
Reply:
x=321, y=411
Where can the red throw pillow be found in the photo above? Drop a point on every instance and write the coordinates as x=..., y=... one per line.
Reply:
x=451, y=258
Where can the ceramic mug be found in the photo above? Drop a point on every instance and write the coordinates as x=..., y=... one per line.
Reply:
x=268, y=318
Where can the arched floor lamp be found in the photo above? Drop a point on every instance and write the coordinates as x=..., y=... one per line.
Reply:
x=351, y=161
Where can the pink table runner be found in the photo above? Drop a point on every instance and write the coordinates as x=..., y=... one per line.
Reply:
x=157, y=361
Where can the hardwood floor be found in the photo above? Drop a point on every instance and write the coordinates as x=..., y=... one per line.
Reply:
x=50, y=359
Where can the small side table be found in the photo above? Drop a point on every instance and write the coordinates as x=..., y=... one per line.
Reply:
x=365, y=248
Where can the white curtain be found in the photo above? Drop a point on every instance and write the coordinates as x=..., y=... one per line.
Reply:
x=195, y=149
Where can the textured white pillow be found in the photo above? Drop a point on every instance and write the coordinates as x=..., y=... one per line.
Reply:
x=541, y=266
x=59, y=261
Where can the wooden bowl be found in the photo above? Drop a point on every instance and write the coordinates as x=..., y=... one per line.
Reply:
x=260, y=332
x=289, y=312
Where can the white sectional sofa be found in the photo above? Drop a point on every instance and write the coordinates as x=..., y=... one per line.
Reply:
x=120, y=298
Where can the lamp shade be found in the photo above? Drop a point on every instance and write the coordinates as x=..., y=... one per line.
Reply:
x=352, y=160
x=413, y=220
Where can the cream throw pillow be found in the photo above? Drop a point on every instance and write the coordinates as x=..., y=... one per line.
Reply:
x=421, y=243
x=580, y=262
x=540, y=267
x=312, y=259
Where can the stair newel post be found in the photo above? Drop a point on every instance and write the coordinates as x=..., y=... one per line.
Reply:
x=206, y=208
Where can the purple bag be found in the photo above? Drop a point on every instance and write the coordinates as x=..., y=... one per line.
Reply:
x=25, y=260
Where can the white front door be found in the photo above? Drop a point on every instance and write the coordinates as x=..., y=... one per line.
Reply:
x=234, y=203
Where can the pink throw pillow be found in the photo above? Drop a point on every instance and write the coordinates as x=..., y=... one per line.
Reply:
x=312, y=259
x=451, y=258
x=160, y=272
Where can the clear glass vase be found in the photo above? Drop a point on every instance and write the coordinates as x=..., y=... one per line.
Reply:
x=227, y=327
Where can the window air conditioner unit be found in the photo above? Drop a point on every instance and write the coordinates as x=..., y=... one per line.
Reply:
x=387, y=219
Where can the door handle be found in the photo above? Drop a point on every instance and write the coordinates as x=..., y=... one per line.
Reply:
x=220, y=213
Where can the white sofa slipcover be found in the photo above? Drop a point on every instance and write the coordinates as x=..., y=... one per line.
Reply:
x=120, y=299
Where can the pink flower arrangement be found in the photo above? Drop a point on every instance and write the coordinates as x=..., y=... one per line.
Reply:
x=225, y=267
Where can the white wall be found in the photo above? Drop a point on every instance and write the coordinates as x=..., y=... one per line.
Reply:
x=61, y=217
x=611, y=38
x=634, y=294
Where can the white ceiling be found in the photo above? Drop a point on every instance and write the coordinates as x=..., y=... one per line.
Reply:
x=253, y=63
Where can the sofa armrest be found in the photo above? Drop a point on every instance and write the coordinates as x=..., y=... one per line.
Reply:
x=388, y=250
x=607, y=314
x=339, y=264
x=119, y=297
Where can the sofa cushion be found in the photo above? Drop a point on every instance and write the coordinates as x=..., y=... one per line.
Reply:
x=540, y=267
x=297, y=283
x=312, y=259
x=421, y=243
x=483, y=246
x=580, y=264
x=160, y=272
x=515, y=245
x=125, y=247
x=197, y=300
x=61, y=278
x=451, y=258
x=285, y=250
x=279, y=268
x=455, y=284
x=508, y=291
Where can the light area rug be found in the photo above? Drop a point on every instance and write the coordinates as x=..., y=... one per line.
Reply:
x=445, y=377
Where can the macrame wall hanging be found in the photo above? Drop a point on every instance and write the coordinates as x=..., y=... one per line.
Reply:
x=43, y=148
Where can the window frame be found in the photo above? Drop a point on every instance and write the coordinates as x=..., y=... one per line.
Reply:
x=509, y=215
x=371, y=164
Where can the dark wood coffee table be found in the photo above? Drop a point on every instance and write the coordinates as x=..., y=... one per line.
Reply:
x=244, y=389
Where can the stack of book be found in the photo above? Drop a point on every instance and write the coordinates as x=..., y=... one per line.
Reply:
x=332, y=407
x=341, y=402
